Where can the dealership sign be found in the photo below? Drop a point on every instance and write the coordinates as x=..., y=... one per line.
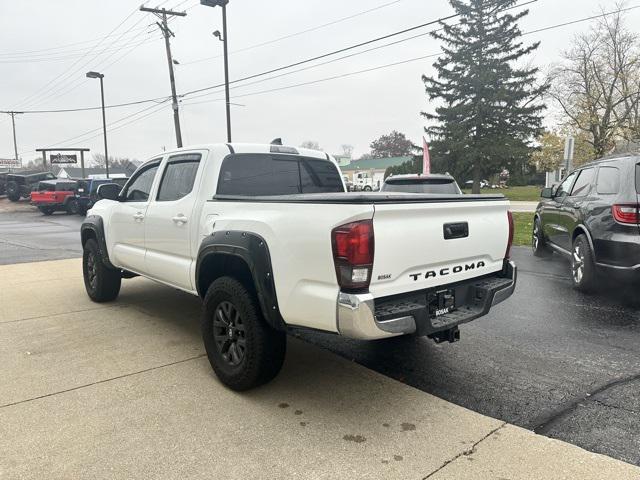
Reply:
x=62, y=158
x=9, y=162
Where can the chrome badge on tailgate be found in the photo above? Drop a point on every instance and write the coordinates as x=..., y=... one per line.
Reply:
x=443, y=272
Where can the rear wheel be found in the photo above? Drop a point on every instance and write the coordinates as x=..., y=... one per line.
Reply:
x=46, y=210
x=13, y=191
x=538, y=243
x=101, y=282
x=243, y=350
x=73, y=207
x=583, y=269
x=367, y=188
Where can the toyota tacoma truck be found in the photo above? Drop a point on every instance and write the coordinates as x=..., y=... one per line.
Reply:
x=268, y=238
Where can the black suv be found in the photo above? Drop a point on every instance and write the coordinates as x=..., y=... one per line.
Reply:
x=593, y=218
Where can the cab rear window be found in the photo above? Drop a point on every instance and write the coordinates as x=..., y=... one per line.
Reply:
x=439, y=186
x=268, y=174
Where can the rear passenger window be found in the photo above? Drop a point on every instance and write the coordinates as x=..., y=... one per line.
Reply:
x=608, y=180
x=583, y=183
x=319, y=176
x=268, y=174
x=638, y=177
x=178, y=177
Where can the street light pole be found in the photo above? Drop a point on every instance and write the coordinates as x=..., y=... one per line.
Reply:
x=104, y=121
x=226, y=70
x=223, y=4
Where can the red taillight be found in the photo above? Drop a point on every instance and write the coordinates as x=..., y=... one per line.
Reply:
x=353, y=248
x=626, y=213
x=507, y=254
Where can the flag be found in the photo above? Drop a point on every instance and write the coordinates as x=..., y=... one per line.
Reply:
x=426, y=159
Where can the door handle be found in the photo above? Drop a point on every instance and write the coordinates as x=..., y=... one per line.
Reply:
x=138, y=216
x=180, y=219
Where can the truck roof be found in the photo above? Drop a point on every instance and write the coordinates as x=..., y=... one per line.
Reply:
x=252, y=148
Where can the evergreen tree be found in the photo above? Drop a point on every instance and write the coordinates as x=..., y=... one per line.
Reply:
x=489, y=108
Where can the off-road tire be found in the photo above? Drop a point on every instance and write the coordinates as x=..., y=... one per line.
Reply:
x=538, y=242
x=46, y=210
x=263, y=348
x=13, y=191
x=101, y=282
x=583, y=267
x=72, y=207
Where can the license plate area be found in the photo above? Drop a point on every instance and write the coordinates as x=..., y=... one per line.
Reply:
x=441, y=302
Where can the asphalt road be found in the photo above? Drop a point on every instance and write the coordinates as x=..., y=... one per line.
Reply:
x=549, y=359
x=26, y=235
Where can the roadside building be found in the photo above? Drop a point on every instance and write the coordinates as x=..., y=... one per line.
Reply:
x=369, y=174
x=91, y=172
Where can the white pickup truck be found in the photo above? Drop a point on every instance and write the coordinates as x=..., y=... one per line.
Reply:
x=269, y=239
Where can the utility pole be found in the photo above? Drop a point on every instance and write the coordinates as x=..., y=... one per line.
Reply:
x=13, y=124
x=162, y=13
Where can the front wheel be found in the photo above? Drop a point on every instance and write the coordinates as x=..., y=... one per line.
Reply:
x=243, y=350
x=367, y=188
x=72, y=207
x=101, y=282
x=583, y=268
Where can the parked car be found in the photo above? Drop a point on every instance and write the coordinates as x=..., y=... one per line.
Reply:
x=3, y=183
x=483, y=184
x=87, y=192
x=593, y=219
x=420, y=183
x=54, y=195
x=20, y=185
x=267, y=237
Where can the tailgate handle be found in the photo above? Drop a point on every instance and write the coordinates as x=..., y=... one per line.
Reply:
x=455, y=230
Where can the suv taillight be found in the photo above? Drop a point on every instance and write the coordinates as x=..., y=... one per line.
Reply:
x=626, y=213
x=353, y=247
x=507, y=254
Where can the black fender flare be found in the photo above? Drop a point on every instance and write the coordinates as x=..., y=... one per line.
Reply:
x=254, y=251
x=93, y=226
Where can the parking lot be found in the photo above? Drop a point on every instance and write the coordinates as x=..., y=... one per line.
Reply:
x=123, y=389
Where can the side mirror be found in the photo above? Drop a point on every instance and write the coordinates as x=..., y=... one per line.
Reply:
x=547, y=192
x=109, y=191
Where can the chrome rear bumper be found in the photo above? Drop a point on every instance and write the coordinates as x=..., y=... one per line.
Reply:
x=356, y=315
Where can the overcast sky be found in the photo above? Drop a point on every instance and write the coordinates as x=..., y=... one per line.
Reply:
x=47, y=47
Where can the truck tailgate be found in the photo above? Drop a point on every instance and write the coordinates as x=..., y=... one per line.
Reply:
x=425, y=245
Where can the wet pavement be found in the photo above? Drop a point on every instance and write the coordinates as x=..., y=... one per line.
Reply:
x=549, y=359
x=26, y=235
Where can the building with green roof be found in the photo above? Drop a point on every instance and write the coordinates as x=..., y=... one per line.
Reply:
x=369, y=173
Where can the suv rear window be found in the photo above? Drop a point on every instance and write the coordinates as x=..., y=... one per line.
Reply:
x=256, y=174
x=441, y=186
x=608, y=180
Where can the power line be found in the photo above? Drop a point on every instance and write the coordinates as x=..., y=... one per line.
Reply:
x=285, y=37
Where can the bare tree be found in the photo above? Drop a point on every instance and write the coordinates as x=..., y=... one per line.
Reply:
x=312, y=144
x=347, y=149
x=597, y=85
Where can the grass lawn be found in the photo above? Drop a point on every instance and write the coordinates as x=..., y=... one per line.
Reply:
x=523, y=224
x=521, y=194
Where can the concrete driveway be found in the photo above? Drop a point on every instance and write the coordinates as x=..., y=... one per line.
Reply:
x=123, y=390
